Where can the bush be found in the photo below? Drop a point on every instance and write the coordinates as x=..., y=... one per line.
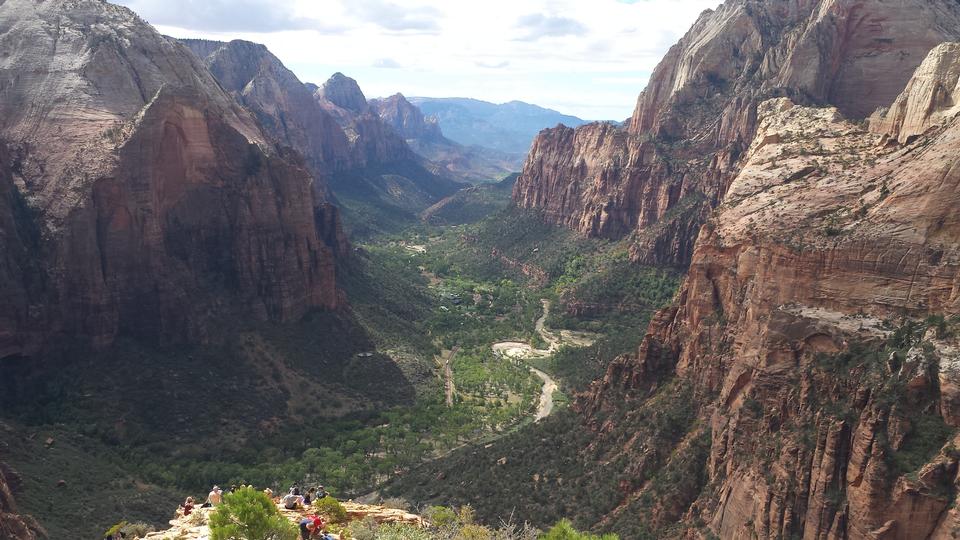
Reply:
x=396, y=503
x=331, y=509
x=565, y=531
x=399, y=531
x=474, y=532
x=248, y=514
x=137, y=530
x=441, y=517
x=361, y=530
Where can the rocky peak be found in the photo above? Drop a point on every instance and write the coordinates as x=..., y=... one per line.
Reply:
x=371, y=140
x=406, y=118
x=343, y=92
x=284, y=106
x=932, y=97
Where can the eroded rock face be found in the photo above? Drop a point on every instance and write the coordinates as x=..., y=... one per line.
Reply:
x=695, y=119
x=825, y=234
x=283, y=105
x=139, y=194
x=931, y=97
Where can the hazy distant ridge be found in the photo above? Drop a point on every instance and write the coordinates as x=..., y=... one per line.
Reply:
x=508, y=127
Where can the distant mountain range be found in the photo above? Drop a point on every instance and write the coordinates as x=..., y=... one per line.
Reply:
x=508, y=127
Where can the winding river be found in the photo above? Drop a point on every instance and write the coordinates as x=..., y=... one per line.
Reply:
x=523, y=351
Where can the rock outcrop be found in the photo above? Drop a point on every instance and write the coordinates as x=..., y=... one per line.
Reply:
x=14, y=526
x=196, y=526
x=343, y=92
x=138, y=196
x=831, y=406
x=932, y=97
x=697, y=116
x=406, y=119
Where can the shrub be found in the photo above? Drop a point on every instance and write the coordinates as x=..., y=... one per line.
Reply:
x=361, y=530
x=565, y=531
x=474, y=532
x=441, y=516
x=331, y=509
x=396, y=503
x=115, y=529
x=248, y=514
x=399, y=531
x=137, y=530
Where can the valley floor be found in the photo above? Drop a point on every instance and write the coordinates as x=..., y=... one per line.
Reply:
x=475, y=345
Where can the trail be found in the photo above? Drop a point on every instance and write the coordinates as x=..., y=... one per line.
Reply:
x=448, y=375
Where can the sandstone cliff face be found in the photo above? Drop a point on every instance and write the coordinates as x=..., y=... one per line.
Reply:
x=827, y=419
x=141, y=195
x=697, y=115
x=284, y=106
x=931, y=97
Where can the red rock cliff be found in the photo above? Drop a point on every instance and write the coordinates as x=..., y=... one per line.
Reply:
x=832, y=409
x=141, y=197
x=684, y=144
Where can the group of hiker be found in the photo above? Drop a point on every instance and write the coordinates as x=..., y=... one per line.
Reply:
x=297, y=498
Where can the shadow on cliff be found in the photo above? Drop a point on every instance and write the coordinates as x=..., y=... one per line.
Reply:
x=253, y=380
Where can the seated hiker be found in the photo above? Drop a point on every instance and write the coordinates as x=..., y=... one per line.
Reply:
x=310, y=496
x=188, y=506
x=214, y=498
x=291, y=501
x=268, y=492
x=321, y=493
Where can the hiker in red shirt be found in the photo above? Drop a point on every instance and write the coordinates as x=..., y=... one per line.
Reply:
x=312, y=527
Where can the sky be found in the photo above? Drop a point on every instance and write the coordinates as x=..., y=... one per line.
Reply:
x=589, y=58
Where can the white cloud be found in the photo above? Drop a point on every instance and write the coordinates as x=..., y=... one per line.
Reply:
x=589, y=58
x=537, y=26
x=386, y=63
x=396, y=17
